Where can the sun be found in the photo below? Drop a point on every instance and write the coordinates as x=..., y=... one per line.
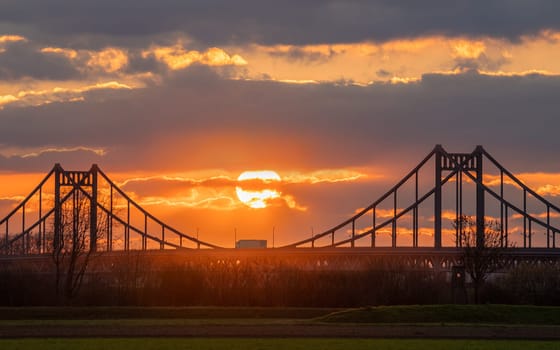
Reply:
x=257, y=198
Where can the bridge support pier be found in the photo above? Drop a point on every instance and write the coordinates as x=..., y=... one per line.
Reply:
x=437, y=198
x=93, y=210
x=479, y=199
x=57, y=239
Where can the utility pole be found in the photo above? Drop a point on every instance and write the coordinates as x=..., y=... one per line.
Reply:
x=273, y=227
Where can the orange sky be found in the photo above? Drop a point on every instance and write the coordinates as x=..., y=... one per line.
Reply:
x=340, y=101
x=208, y=203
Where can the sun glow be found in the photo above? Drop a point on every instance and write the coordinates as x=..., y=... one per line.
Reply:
x=257, y=198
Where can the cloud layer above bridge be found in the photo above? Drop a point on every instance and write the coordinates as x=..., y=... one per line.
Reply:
x=152, y=89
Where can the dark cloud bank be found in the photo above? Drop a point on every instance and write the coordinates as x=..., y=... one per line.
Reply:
x=294, y=22
x=198, y=120
x=21, y=60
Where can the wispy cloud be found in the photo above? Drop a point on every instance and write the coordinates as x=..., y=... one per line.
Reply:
x=69, y=53
x=326, y=176
x=11, y=38
x=97, y=151
x=545, y=184
x=57, y=94
x=12, y=198
x=219, y=192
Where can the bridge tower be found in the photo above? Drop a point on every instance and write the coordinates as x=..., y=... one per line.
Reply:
x=77, y=180
x=465, y=162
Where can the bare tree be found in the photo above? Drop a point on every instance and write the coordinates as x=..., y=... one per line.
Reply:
x=480, y=260
x=71, y=245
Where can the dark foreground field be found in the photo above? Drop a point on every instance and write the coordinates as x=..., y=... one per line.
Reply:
x=396, y=327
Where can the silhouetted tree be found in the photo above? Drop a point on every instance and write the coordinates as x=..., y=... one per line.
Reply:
x=71, y=253
x=532, y=283
x=480, y=260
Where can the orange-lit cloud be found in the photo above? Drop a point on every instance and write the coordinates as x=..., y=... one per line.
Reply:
x=109, y=59
x=449, y=215
x=213, y=181
x=467, y=48
x=403, y=61
x=6, y=99
x=315, y=177
x=493, y=180
x=545, y=184
x=196, y=200
x=326, y=176
x=549, y=190
x=401, y=231
x=69, y=53
x=384, y=213
x=17, y=199
x=176, y=57
x=542, y=215
x=11, y=38
x=5, y=39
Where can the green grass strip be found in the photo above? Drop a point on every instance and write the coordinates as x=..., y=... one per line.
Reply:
x=465, y=314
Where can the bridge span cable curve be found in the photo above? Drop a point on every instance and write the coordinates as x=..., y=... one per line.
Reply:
x=458, y=164
x=77, y=181
x=363, y=211
x=448, y=167
x=155, y=219
x=527, y=216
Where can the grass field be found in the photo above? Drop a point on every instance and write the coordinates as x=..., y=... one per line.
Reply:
x=162, y=322
x=195, y=313
x=462, y=314
x=271, y=343
x=231, y=328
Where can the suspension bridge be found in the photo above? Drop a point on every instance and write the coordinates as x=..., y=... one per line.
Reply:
x=88, y=208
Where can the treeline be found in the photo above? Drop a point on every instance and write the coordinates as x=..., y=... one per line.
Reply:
x=238, y=284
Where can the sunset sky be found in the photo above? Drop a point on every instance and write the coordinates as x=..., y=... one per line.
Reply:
x=174, y=100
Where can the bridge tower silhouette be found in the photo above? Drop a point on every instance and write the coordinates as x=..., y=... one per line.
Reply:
x=464, y=162
x=65, y=199
x=458, y=168
x=40, y=223
x=78, y=181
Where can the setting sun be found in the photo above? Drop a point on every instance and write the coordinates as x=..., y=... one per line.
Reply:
x=257, y=198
